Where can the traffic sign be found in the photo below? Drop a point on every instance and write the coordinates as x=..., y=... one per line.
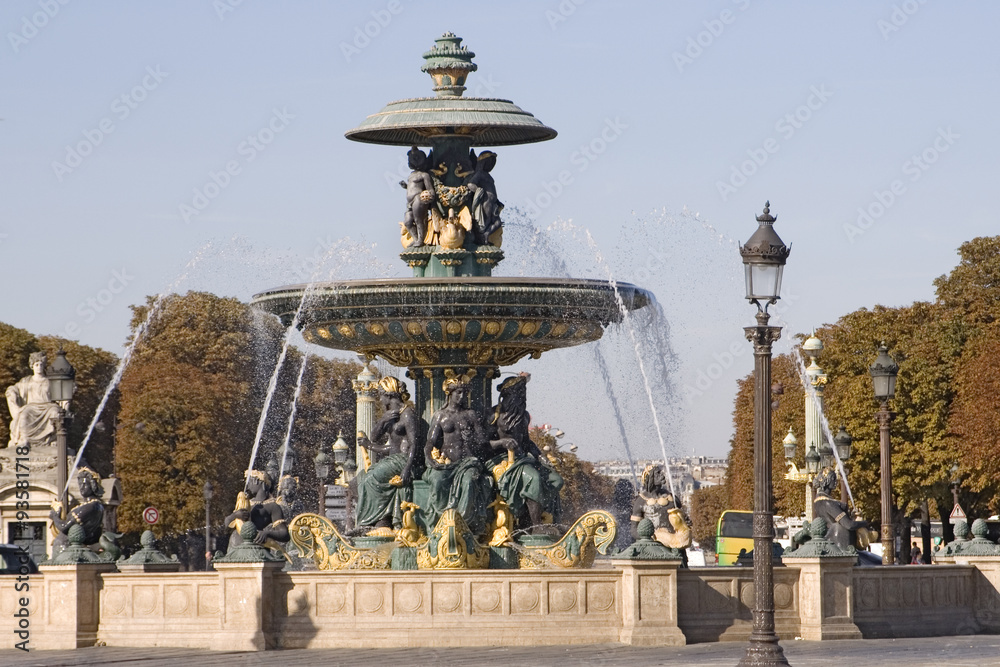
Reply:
x=150, y=515
x=957, y=514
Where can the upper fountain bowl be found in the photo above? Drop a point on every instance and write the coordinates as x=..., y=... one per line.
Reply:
x=492, y=320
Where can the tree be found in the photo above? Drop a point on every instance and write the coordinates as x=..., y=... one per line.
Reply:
x=191, y=401
x=707, y=505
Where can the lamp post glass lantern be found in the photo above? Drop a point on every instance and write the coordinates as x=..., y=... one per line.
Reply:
x=62, y=385
x=883, y=371
x=764, y=256
x=842, y=443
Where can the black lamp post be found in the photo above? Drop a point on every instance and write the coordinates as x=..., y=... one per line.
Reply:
x=883, y=372
x=62, y=385
x=764, y=256
x=207, y=492
x=842, y=441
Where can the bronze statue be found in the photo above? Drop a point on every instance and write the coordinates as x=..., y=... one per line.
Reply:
x=528, y=485
x=455, y=474
x=419, y=196
x=89, y=514
x=842, y=528
x=262, y=510
x=32, y=412
x=485, y=207
x=389, y=481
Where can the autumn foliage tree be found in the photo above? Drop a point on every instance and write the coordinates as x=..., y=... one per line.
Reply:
x=191, y=399
x=947, y=396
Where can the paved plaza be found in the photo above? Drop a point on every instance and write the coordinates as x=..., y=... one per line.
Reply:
x=972, y=651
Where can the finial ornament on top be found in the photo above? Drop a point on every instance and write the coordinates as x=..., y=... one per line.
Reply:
x=449, y=64
x=766, y=217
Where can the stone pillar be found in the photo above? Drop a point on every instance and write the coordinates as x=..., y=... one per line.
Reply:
x=71, y=607
x=245, y=605
x=366, y=389
x=986, y=599
x=826, y=602
x=649, y=603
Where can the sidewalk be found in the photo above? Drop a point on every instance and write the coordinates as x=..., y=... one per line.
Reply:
x=972, y=651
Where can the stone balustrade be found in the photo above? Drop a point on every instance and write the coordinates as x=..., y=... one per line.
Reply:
x=256, y=606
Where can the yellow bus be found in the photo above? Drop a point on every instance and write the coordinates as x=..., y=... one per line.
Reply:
x=733, y=533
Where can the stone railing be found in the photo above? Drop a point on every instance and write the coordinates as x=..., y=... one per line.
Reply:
x=255, y=606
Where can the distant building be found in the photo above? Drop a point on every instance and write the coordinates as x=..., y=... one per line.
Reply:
x=688, y=473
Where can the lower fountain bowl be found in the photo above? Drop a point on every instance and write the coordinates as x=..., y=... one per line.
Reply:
x=495, y=320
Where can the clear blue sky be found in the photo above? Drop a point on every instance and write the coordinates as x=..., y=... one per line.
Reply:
x=833, y=100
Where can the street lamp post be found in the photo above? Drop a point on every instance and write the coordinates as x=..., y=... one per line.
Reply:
x=883, y=371
x=62, y=385
x=207, y=492
x=764, y=256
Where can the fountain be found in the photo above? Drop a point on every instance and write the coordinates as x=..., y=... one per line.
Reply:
x=452, y=323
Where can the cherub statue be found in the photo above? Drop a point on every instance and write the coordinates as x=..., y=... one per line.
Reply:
x=32, y=412
x=419, y=196
x=485, y=206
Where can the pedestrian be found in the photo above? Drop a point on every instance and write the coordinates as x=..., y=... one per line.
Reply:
x=915, y=555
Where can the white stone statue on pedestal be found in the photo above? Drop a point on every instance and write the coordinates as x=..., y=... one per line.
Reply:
x=32, y=411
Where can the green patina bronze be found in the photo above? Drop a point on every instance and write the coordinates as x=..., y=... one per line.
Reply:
x=149, y=557
x=979, y=545
x=247, y=551
x=77, y=552
x=811, y=542
x=647, y=548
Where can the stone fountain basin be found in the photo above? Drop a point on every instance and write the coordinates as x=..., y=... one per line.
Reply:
x=494, y=320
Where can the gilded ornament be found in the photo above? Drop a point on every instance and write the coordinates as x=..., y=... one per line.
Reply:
x=409, y=534
x=528, y=328
x=452, y=546
x=560, y=328
x=492, y=328
x=453, y=327
x=315, y=536
x=504, y=520
x=592, y=533
x=346, y=331
x=376, y=329
x=323, y=333
x=414, y=328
